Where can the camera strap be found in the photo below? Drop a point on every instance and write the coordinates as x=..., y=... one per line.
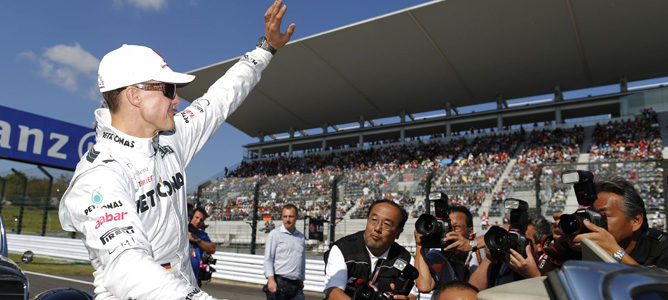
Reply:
x=376, y=270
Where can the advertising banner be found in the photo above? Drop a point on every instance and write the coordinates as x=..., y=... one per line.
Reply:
x=315, y=229
x=31, y=138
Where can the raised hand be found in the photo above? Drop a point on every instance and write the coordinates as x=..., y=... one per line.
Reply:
x=272, y=25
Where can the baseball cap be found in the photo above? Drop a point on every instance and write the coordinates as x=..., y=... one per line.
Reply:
x=132, y=64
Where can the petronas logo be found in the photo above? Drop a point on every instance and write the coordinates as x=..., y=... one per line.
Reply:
x=96, y=196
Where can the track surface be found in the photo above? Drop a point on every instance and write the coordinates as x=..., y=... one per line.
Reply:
x=223, y=290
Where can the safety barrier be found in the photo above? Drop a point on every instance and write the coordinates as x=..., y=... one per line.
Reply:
x=230, y=266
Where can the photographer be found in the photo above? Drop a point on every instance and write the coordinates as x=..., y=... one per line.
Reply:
x=511, y=253
x=456, y=262
x=628, y=238
x=200, y=243
x=370, y=258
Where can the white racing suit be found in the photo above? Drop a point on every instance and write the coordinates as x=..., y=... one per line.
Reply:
x=128, y=195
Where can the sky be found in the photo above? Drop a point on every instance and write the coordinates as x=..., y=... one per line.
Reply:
x=50, y=52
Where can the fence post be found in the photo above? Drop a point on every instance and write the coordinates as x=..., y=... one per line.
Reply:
x=2, y=192
x=427, y=190
x=665, y=197
x=256, y=199
x=23, y=197
x=46, y=202
x=537, y=175
x=332, y=213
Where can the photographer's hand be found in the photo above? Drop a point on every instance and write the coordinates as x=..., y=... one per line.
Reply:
x=400, y=296
x=524, y=266
x=600, y=236
x=191, y=237
x=459, y=242
x=425, y=283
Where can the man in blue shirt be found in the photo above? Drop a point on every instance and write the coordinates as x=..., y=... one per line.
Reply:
x=285, y=258
x=199, y=241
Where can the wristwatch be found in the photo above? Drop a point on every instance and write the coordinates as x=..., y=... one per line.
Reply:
x=262, y=43
x=474, y=245
x=619, y=255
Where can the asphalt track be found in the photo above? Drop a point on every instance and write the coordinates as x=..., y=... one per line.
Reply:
x=220, y=289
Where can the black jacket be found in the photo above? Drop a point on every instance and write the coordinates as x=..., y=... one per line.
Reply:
x=359, y=266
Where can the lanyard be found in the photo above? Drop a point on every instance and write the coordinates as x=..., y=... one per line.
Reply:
x=379, y=262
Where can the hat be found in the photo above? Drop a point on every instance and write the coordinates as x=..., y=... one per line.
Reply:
x=131, y=64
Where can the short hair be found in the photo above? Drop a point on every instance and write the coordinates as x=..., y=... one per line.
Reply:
x=290, y=206
x=112, y=98
x=542, y=227
x=201, y=210
x=464, y=210
x=404, y=214
x=633, y=203
x=456, y=284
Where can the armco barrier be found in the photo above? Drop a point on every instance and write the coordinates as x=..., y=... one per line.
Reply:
x=230, y=266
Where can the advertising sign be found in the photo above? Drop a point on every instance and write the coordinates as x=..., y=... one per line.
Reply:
x=315, y=229
x=31, y=138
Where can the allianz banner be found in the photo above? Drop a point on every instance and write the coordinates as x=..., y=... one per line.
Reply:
x=35, y=139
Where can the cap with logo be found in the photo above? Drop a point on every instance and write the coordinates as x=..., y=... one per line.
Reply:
x=132, y=64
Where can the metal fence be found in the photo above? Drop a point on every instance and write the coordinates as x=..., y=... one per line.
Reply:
x=29, y=200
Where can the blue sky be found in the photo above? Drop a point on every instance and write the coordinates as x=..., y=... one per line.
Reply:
x=50, y=52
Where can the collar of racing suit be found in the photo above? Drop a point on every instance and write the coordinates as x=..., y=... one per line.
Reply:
x=110, y=136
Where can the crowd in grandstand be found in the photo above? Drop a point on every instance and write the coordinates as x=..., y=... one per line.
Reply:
x=466, y=170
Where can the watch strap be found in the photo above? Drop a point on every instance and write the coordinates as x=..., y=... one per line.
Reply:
x=262, y=43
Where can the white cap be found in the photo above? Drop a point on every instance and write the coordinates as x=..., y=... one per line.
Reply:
x=131, y=64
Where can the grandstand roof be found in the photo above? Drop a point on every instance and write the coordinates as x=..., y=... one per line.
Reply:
x=458, y=52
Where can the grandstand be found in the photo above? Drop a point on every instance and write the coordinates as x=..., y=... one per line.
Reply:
x=388, y=109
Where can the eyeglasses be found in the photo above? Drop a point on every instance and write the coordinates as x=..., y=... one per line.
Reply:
x=373, y=221
x=168, y=89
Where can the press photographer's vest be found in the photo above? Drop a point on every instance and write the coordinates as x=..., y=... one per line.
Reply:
x=359, y=264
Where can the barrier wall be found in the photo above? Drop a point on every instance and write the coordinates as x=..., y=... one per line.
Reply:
x=230, y=266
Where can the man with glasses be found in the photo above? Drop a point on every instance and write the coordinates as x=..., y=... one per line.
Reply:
x=456, y=262
x=368, y=257
x=127, y=197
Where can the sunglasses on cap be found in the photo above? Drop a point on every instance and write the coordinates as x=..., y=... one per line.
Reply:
x=168, y=89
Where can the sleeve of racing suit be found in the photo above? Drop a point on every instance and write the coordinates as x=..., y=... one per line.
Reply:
x=196, y=123
x=99, y=206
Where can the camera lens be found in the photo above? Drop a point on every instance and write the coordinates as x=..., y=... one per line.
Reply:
x=496, y=238
x=570, y=224
x=427, y=225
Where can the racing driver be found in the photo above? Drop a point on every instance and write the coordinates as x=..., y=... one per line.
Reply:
x=127, y=197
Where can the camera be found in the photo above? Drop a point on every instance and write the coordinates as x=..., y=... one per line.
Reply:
x=585, y=191
x=206, y=269
x=433, y=228
x=207, y=259
x=402, y=284
x=499, y=241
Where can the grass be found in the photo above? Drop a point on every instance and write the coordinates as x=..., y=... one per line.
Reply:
x=54, y=266
x=32, y=220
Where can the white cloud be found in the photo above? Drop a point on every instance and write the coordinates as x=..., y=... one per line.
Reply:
x=143, y=4
x=73, y=56
x=65, y=65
